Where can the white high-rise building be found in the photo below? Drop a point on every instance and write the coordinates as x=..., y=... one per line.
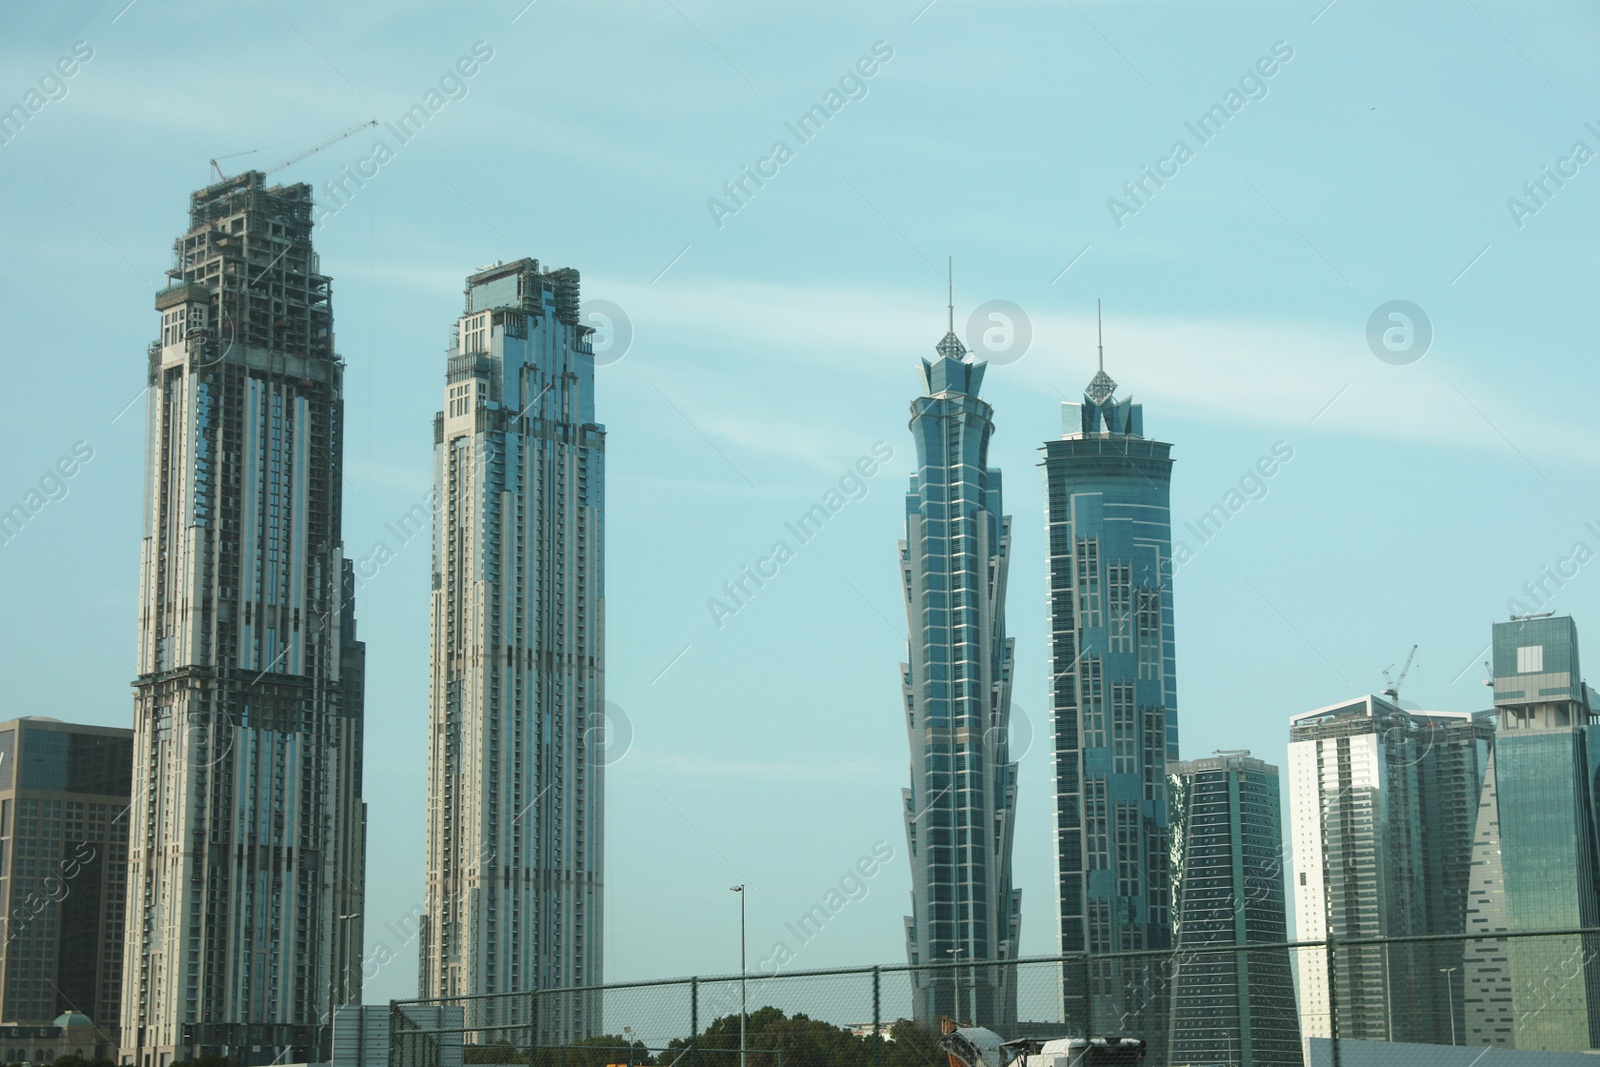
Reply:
x=1382, y=804
x=515, y=880
x=246, y=865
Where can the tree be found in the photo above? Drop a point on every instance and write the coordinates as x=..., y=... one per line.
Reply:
x=806, y=1042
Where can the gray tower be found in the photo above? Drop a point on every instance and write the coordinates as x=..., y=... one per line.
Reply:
x=246, y=869
x=960, y=809
x=516, y=813
x=63, y=874
x=1227, y=889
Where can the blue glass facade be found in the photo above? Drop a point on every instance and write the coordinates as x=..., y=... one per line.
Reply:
x=1537, y=850
x=1113, y=698
x=960, y=808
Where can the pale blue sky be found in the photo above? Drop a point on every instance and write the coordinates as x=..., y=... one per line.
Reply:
x=777, y=349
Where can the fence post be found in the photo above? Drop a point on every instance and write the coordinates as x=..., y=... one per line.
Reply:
x=533, y=1027
x=1088, y=996
x=1333, y=1000
x=877, y=1016
x=694, y=1022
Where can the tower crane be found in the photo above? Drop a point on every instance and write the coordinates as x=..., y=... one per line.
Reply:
x=298, y=156
x=1392, y=688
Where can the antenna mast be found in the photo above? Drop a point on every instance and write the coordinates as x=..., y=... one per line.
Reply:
x=949, y=277
x=1100, y=335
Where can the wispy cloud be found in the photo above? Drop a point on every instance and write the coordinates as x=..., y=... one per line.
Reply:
x=1277, y=375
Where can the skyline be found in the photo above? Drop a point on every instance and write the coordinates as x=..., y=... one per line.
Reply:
x=1390, y=482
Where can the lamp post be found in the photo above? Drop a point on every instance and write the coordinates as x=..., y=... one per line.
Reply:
x=956, y=957
x=1450, y=991
x=743, y=1007
x=336, y=989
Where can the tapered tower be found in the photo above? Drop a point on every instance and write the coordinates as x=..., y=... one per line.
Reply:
x=960, y=808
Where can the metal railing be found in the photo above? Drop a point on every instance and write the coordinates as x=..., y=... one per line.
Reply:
x=1249, y=1005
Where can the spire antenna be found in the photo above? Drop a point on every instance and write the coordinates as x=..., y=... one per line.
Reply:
x=950, y=280
x=1100, y=335
x=1101, y=387
x=951, y=347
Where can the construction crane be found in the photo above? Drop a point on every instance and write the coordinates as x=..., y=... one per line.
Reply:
x=298, y=156
x=1392, y=688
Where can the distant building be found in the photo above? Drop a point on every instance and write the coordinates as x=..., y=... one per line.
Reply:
x=1382, y=802
x=1114, y=706
x=515, y=890
x=960, y=810
x=63, y=882
x=1227, y=889
x=1536, y=857
x=70, y=1034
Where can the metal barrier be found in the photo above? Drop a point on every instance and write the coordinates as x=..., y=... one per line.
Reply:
x=1252, y=1005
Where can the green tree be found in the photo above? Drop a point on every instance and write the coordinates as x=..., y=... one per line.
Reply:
x=806, y=1042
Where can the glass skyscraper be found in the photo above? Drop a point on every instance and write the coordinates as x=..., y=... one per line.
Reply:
x=1536, y=856
x=1227, y=889
x=516, y=759
x=1382, y=803
x=247, y=851
x=63, y=874
x=960, y=808
x=1114, y=707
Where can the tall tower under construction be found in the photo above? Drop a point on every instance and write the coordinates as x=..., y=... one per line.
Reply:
x=960, y=809
x=516, y=764
x=246, y=868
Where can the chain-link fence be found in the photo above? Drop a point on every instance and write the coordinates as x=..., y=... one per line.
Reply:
x=1450, y=1000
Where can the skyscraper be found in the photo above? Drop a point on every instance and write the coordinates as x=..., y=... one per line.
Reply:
x=1536, y=857
x=960, y=808
x=1382, y=802
x=1114, y=707
x=516, y=813
x=63, y=871
x=1227, y=889
x=246, y=871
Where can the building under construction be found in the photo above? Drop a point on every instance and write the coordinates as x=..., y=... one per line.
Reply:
x=247, y=851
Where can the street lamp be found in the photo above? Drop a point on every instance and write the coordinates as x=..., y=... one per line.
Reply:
x=342, y=935
x=1450, y=991
x=956, y=957
x=743, y=1007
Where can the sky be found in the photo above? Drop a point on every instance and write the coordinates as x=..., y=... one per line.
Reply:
x=755, y=349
